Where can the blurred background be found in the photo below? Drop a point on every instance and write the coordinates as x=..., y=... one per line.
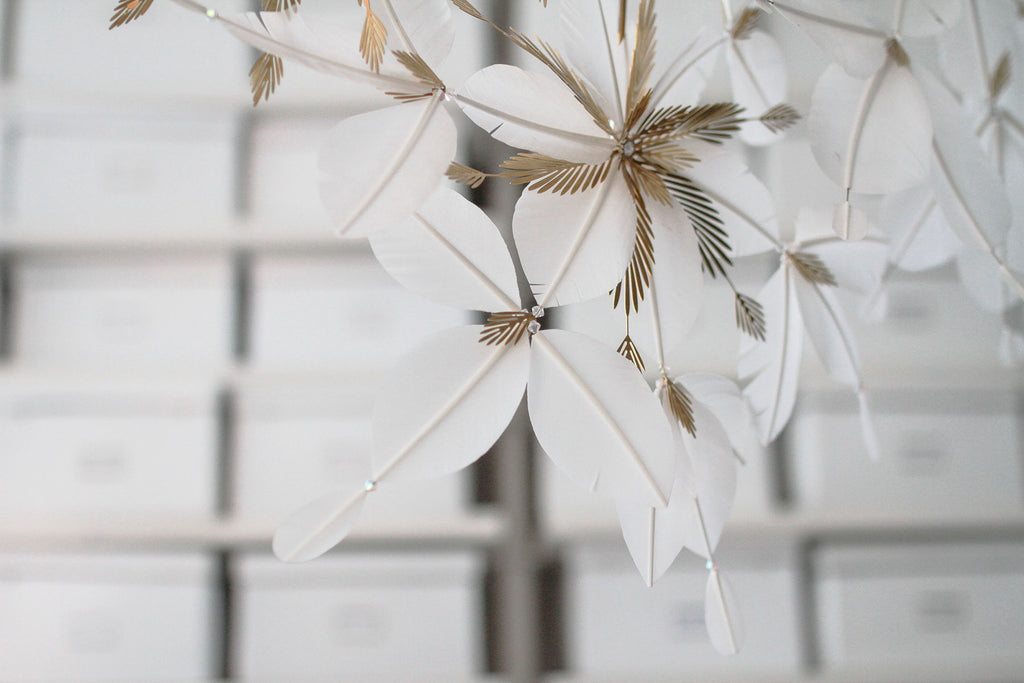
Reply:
x=188, y=354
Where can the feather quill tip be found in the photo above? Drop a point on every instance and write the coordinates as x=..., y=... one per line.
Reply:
x=849, y=224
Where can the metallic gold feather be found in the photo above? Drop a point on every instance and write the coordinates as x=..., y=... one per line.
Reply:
x=628, y=350
x=779, y=118
x=465, y=175
x=1000, y=76
x=264, y=76
x=750, y=317
x=642, y=63
x=128, y=10
x=746, y=23
x=506, y=327
x=681, y=406
x=373, y=39
x=812, y=268
x=544, y=173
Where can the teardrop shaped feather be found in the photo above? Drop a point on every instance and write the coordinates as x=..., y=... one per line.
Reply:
x=595, y=416
x=446, y=403
x=377, y=168
x=575, y=247
x=451, y=252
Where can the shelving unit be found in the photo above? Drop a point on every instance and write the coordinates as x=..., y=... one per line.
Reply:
x=530, y=550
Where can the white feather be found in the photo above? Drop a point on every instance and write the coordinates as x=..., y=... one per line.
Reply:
x=744, y=203
x=871, y=136
x=857, y=266
x=318, y=526
x=451, y=252
x=771, y=368
x=424, y=27
x=575, y=247
x=587, y=30
x=828, y=330
x=919, y=17
x=856, y=46
x=446, y=403
x=377, y=168
x=722, y=614
x=597, y=419
x=981, y=275
x=673, y=302
x=970, y=192
x=532, y=111
x=921, y=236
x=725, y=400
x=867, y=428
x=758, y=76
x=706, y=472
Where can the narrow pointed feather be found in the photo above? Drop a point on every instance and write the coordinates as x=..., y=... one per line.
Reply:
x=377, y=168
x=724, y=398
x=856, y=46
x=445, y=403
x=828, y=330
x=770, y=369
x=318, y=526
x=870, y=136
x=532, y=111
x=450, y=252
x=575, y=247
x=422, y=27
x=595, y=416
x=757, y=74
x=970, y=192
x=722, y=614
x=586, y=29
x=668, y=312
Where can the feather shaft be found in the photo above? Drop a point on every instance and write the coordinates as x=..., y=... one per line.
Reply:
x=603, y=143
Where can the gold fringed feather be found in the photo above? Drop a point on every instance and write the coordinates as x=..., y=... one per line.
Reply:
x=812, y=268
x=628, y=350
x=465, y=175
x=750, y=317
x=681, y=405
x=506, y=327
x=747, y=22
x=373, y=39
x=547, y=174
x=779, y=118
x=128, y=10
x=264, y=76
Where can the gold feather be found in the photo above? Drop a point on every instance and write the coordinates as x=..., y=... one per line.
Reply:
x=264, y=76
x=280, y=5
x=750, y=317
x=464, y=175
x=779, y=118
x=681, y=406
x=630, y=352
x=1001, y=76
x=544, y=173
x=747, y=22
x=506, y=327
x=812, y=268
x=128, y=10
x=642, y=64
x=373, y=39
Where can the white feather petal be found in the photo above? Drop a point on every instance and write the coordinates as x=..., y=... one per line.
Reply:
x=828, y=330
x=532, y=111
x=422, y=26
x=715, y=468
x=856, y=46
x=873, y=136
x=587, y=30
x=724, y=399
x=771, y=368
x=595, y=416
x=318, y=526
x=446, y=403
x=981, y=276
x=575, y=247
x=970, y=192
x=673, y=302
x=921, y=236
x=451, y=252
x=377, y=168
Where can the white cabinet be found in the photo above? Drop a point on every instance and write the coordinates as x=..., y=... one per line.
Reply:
x=921, y=607
x=944, y=454
x=116, y=312
x=107, y=617
x=96, y=171
x=108, y=451
x=618, y=629
x=410, y=616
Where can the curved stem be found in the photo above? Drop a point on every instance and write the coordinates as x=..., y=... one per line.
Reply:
x=867, y=100
x=826, y=21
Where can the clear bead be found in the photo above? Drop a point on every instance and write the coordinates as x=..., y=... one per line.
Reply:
x=211, y=14
x=537, y=312
x=533, y=327
x=629, y=148
x=370, y=485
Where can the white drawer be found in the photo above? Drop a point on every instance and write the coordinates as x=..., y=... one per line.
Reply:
x=169, y=52
x=295, y=444
x=90, y=172
x=339, y=312
x=130, y=311
x=943, y=454
x=107, y=451
x=139, y=617
x=618, y=629
x=393, y=616
x=926, y=607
